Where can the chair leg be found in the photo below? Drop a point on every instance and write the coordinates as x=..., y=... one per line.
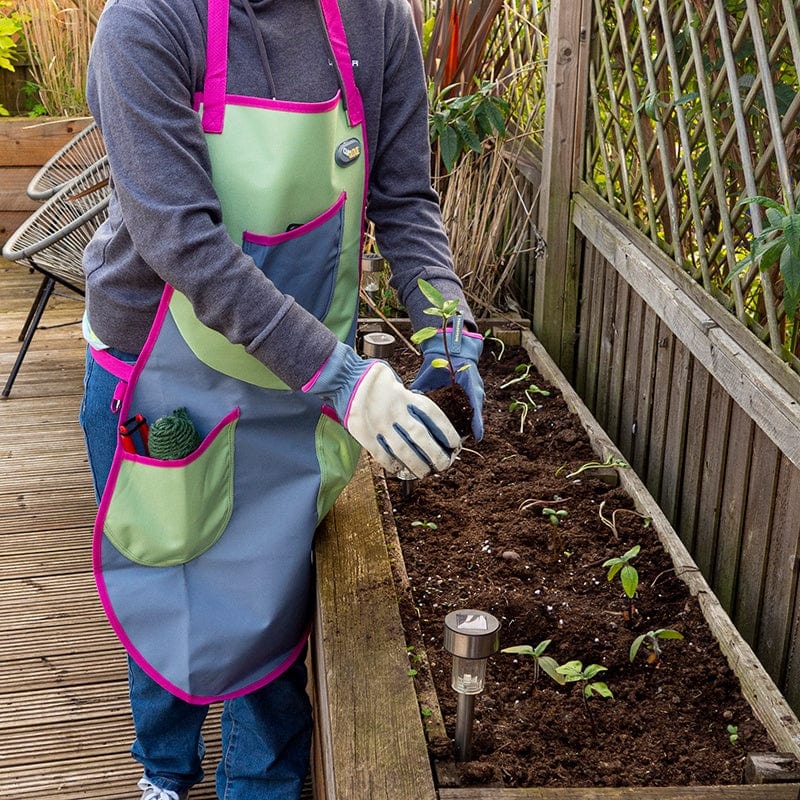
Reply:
x=42, y=288
x=34, y=316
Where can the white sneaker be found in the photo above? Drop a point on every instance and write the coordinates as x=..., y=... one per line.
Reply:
x=152, y=792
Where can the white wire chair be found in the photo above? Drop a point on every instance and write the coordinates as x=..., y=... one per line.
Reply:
x=52, y=241
x=74, y=158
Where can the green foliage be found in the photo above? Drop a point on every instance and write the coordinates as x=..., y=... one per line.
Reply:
x=629, y=577
x=546, y=664
x=651, y=638
x=778, y=243
x=10, y=33
x=463, y=122
x=421, y=524
x=733, y=733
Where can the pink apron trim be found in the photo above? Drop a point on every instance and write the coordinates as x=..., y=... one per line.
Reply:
x=118, y=368
x=216, y=80
x=271, y=104
x=300, y=230
x=341, y=52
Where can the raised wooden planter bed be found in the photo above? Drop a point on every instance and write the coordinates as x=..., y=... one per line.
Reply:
x=25, y=144
x=370, y=737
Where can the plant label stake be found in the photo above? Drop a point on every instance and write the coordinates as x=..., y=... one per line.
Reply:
x=470, y=636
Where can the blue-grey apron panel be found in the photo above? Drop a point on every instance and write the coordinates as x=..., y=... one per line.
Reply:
x=223, y=620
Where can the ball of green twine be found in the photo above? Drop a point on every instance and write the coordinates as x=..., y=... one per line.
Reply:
x=173, y=436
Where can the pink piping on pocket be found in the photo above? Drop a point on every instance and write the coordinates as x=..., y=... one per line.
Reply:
x=273, y=239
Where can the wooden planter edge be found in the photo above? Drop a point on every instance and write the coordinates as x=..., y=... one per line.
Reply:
x=370, y=741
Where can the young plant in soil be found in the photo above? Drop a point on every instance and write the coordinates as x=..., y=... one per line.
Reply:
x=542, y=663
x=650, y=640
x=451, y=399
x=574, y=672
x=628, y=576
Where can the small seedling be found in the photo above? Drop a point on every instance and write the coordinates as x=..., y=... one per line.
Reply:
x=629, y=577
x=651, y=642
x=446, y=310
x=612, y=521
x=554, y=516
x=420, y=523
x=487, y=337
x=733, y=733
x=542, y=663
x=574, y=672
x=527, y=404
x=523, y=373
x=611, y=461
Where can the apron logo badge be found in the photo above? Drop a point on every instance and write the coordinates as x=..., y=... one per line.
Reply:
x=347, y=152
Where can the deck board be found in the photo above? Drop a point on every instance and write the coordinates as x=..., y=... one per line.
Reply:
x=65, y=729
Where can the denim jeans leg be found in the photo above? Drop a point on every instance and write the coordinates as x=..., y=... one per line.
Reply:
x=168, y=742
x=266, y=740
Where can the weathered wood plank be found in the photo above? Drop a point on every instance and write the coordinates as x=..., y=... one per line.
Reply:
x=646, y=390
x=676, y=433
x=755, y=535
x=30, y=142
x=694, y=444
x=780, y=592
x=591, y=329
x=662, y=401
x=616, y=385
x=710, y=495
x=607, y=339
x=369, y=725
x=732, y=506
x=555, y=301
x=629, y=390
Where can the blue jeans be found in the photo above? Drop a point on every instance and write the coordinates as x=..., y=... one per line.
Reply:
x=266, y=735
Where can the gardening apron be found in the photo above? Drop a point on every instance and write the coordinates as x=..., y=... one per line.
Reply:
x=204, y=564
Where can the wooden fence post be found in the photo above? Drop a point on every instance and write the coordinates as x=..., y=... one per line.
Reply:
x=555, y=303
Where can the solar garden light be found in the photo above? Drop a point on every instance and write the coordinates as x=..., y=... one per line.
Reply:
x=378, y=344
x=372, y=265
x=470, y=636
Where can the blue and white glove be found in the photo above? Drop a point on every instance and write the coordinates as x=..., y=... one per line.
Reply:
x=402, y=430
x=465, y=349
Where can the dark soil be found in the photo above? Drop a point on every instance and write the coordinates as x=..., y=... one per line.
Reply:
x=493, y=549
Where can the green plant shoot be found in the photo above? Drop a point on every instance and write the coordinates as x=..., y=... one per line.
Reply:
x=628, y=575
x=652, y=640
x=446, y=310
x=542, y=663
x=554, y=516
x=574, y=672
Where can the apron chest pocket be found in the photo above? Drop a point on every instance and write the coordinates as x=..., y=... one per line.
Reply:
x=303, y=261
x=164, y=513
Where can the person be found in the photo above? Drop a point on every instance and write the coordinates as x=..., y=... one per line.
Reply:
x=247, y=142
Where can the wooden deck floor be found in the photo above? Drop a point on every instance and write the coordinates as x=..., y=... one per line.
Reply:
x=65, y=728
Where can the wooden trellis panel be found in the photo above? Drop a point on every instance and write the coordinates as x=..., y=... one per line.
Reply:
x=694, y=106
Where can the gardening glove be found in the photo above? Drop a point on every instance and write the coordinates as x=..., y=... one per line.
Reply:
x=402, y=430
x=465, y=349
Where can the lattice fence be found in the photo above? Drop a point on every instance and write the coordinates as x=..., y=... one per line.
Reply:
x=694, y=107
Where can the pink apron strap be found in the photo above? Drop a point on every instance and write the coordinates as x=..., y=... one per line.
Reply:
x=216, y=80
x=341, y=52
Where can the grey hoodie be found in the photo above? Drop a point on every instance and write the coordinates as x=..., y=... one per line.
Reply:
x=165, y=221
